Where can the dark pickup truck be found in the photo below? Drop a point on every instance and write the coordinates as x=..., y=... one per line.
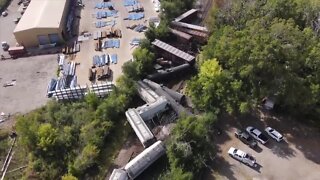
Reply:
x=245, y=138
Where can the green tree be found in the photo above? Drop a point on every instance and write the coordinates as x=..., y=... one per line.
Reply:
x=176, y=174
x=68, y=177
x=191, y=144
x=174, y=8
x=144, y=60
x=214, y=88
x=85, y=160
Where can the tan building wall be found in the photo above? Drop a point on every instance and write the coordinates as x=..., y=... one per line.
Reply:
x=29, y=38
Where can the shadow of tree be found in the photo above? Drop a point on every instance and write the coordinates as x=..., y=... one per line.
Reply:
x=281, y=149
x=305, y=138
x=221, y=167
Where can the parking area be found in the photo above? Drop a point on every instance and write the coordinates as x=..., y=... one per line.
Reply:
x=28, y=76
x=124, y=52
x=295, y=158
x=7, y=25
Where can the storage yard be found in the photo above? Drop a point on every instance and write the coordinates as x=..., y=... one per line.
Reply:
x=97, y=19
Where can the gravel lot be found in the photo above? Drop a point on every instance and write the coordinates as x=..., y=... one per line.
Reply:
x=32, y=74
x=7, y=25
x=296, y=158
x=84, y=57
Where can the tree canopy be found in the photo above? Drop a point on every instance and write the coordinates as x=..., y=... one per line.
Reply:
x=68, y=138
x=190, y=145
x=263, y=49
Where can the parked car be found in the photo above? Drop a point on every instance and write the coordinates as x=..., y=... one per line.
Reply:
x=274, y=134
x=255, y=133
x=4, y=13
x=245, y=138
x=242, y=157
x=5, y=46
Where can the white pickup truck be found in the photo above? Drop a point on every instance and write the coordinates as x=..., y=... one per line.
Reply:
x=242, y=157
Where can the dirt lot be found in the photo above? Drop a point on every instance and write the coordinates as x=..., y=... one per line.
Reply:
x=32, y=74
x=7, y=25
x=296, y=158
x=84, y=57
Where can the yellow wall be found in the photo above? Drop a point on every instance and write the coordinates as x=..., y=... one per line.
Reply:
x=29, y=38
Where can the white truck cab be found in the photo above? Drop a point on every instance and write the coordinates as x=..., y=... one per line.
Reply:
x=242, y=156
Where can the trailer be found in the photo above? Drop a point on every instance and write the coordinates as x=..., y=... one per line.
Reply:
x=16, y=52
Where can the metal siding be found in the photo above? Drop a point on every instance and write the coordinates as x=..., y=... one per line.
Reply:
x=54, y=38
x=43, y=39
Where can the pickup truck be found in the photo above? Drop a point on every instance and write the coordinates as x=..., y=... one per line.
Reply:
x=245, y=138
x=256, y=134
x=242, y=157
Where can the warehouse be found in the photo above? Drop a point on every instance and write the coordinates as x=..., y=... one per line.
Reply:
x=43, y=23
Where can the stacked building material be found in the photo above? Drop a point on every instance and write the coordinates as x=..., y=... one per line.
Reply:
x=104, y=5
x=100, y=60
x=105, y=14
x=111, y=43
x=135, y=41
x=114, y=58
x=100, y=24
x=135, y=16
x=130, y=2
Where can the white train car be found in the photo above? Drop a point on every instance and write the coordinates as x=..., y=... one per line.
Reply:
x=146, y=93
x=138, y=164
x=118, y=174
x=149, y=111
x=140, y=128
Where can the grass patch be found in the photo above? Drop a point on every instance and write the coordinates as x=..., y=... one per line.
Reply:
x=112, y=147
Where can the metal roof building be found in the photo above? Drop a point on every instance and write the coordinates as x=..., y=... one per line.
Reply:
x=42, y=23
x=141, y=162
x=174, y=52
x=140, y=128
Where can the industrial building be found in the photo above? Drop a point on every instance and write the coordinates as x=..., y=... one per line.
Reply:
x=43, y=23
